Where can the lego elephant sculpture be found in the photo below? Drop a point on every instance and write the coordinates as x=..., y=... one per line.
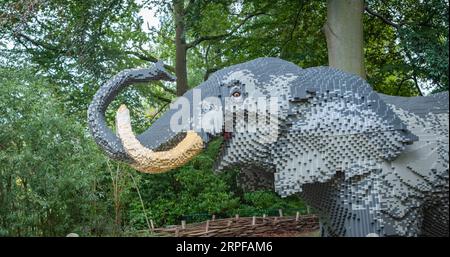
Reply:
x=370, y=164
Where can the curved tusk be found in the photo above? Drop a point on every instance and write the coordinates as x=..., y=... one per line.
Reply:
x=148, y=161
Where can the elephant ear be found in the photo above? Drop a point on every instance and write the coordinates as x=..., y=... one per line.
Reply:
x=335, y=122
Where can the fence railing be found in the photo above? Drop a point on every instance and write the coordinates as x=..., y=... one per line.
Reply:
x=243, y=226
x=198, y=217
x=254, y=223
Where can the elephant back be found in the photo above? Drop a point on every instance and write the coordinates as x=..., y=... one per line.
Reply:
x=331, y=102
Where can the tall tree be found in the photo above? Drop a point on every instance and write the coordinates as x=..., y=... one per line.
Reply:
x=180, y=46
x=344, y=33
x=190, y=32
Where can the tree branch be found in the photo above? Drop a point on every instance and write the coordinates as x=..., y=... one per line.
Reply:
x=37, y=43
x=416, y=83
x=414, y=74
x=401, y=84
x=161, y=98
x=221, y=36
x=141, y=56
x=167, y=89
x=294, y=26
x=158, y=112
x=149, y=58
x=382, y=18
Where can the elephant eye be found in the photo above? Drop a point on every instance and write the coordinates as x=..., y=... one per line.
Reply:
x=236, y=94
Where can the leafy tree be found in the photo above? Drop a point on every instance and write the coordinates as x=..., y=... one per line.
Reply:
x=53, y=180
x=78, y=45
x=420, y=32
x=287, y=29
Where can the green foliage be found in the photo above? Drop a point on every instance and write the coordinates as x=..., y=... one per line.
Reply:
x=287, y=29
x=266, y=202
x=52, y=177
x=412, y=51
x=77, y=45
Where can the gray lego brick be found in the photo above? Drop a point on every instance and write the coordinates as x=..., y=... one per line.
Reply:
x=370, y=164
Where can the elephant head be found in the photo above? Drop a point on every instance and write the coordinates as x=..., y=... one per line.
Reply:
x=271, y=113
x=181, y=133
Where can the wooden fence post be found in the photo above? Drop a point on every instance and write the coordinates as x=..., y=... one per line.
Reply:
x=207, y=226
x=253, y=221
x=308, y=210
x=152, y=225
x=237, y=216
x=297, y=216
x=280, y=211
x=183, y=224
x=213, y=217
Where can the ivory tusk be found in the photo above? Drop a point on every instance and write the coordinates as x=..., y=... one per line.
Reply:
x=149, y=161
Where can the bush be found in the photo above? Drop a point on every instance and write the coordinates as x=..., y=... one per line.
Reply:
x=52, y=176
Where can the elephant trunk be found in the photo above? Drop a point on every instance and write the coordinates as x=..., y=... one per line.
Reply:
x=137, y=151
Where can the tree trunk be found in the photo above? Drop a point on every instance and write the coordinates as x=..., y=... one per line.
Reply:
x=344, y=34
x=180, y=45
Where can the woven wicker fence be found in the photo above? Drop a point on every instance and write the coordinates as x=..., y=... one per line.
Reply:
x=242, y=226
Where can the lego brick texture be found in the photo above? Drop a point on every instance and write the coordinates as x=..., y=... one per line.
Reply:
x=370, y=164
